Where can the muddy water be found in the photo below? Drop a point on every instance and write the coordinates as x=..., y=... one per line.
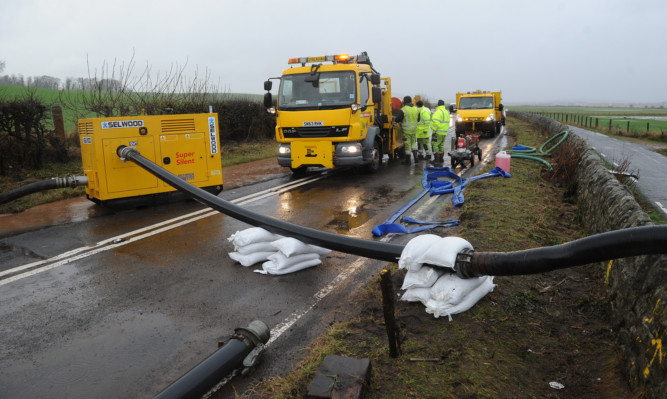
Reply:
x=66, y=211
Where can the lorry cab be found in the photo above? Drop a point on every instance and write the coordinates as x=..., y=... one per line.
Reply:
x=479, y=111
x=330, y=111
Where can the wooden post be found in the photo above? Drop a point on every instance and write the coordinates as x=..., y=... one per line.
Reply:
x=628, y=128
x=388, y=307
x=597, y=121
x=610, y=125
x=647, y=129
x=58, y=123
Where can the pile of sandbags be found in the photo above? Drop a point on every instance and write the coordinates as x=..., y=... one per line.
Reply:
x=278, y=254
x=442, y=292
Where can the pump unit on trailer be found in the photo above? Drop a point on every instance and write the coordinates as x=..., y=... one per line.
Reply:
x=186, y=145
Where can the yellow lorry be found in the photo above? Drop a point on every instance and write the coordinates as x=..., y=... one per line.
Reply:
x=479, y=112
x=333, y=111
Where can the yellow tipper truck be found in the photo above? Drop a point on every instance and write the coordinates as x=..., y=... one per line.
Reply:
x=333, y=111
x=186, y=145
x=479, y=112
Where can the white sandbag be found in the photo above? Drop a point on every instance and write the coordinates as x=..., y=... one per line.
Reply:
x=256, y=247
x=251, y=236
x=291, y=246
x=250, y=259
x=269, y=267
x=417, y=295
x=433, y=250
x=444, y=308
x=425, y=277
x=452, y=289
x=281, y=261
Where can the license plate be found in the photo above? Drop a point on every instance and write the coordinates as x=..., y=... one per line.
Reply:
x=313, y=124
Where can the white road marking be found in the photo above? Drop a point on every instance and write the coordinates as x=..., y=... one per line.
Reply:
x=280, y=329
x=662, y=208
x=135, y=235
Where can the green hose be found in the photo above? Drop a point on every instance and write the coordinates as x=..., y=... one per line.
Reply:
x=524, y=153
x=534, y=158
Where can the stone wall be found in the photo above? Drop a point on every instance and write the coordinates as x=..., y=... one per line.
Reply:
x=636, y=286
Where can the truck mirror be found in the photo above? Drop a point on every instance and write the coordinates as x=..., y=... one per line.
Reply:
x=500, y=107
x=267, y=85
x=452, y=109
x=375, y=79
x=268, y=101
x=312, y=77
x=377, y=95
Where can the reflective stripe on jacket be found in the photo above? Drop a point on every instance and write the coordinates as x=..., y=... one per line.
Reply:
x=440, y=120
x=409, y=124
x=424, y=123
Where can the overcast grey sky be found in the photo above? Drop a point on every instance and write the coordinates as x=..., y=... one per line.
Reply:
x=534, y=51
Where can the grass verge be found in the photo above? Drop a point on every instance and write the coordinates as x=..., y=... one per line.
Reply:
x=530, y=331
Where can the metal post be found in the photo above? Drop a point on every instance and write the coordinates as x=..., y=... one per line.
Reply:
x=388, y=307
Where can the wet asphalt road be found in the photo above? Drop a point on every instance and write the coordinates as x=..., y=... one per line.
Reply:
x=652, y=166
x=122, y=304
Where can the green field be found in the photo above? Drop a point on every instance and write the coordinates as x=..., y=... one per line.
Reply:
x=648, y=123
x=620, y=111
x=76, y=97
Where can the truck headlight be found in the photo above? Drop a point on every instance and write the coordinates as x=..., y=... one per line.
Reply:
x=459, y=118
x=491, y=117
x=350, y=149
x=284, y=149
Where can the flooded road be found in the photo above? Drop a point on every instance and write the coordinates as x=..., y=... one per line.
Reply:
x=120, y=304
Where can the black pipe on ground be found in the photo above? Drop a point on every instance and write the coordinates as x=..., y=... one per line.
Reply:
x=644, y=240
x=198, y=381
x=31, y=188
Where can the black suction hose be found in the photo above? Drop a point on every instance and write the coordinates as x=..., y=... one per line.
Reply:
x=335, y=242
x=56, y=182
x=645, y=240
x=634, y=241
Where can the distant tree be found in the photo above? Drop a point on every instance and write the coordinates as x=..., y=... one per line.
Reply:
x=45, y=82
x=2, y=66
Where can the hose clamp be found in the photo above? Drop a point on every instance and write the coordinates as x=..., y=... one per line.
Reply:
x=463, y=264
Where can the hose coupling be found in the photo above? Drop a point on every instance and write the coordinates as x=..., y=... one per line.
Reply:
x=123, y=150
x=71, y=181
x=463, y=264
x=256, y=332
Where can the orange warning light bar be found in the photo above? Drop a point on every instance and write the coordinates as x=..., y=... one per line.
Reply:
x=342, y=58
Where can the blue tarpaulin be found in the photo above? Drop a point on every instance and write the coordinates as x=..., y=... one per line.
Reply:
x=434, y=186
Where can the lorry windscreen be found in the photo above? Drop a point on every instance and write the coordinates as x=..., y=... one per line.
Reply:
x=475, y=103
x=332, y=90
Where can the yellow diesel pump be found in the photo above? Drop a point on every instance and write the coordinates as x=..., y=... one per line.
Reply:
x=186, y=145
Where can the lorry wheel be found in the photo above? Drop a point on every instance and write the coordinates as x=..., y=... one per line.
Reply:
x=376, y=160
x=453, y=163
x=479, y=155
x=472, y=160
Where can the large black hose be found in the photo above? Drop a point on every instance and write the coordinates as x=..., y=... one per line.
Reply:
x=335, y=242
x=645, y=240
x=633, y=241
x=31, y=188
x=231, y=356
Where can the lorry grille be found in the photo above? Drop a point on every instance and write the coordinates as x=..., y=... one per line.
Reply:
x=320, y=131
x=178, y=125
